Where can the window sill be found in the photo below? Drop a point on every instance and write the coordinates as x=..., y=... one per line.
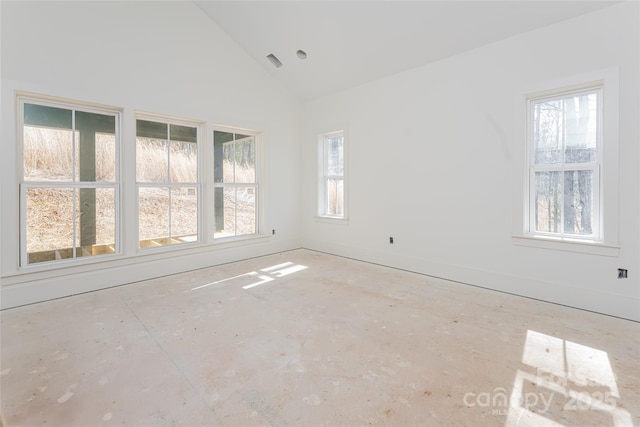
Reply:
x=585, y=247
x=332, y=220
x=80, y=265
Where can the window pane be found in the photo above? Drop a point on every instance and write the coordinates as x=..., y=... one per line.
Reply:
x=246, y=210
x=220, y=140
x=87, y=163
x=85, y=217
x=167, y=153
x=183, y=153
x=50, y=117
x=152, y=160
x=68, y=146
x=53, y=153
x=245, y=160
x=96, y=229
x=105, y=157
x=235, y=163
x=581, y=128
x=106, y=216
x=218, y=202
x=335, y=196
x=547, y=131
x=153, y=216
x=184, y=161
x=152, y=130
x=238, y=217
x=578, y=196
x=49, y=220
x=183, y=133
x=335, y=160
x=48, y=143
x=565, y=130
x=228, y=163
x=152, y=155
x=184, y=214
x=48, y=154
x=548, y=201
x=226, y=217
x=235, y=158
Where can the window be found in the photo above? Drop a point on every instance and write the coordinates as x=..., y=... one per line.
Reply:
x=235, y=183
x=168, y=183
x=331, y=192
x=70, y=181
x=565, y=150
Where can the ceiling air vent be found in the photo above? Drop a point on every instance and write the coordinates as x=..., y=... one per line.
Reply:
x=275, y=61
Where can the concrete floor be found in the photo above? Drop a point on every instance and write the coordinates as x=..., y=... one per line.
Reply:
x=303, y=338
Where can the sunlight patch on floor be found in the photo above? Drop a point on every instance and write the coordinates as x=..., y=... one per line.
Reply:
x=569, y=379
x=270, y=274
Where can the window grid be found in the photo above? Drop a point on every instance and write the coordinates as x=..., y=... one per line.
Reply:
x=45, y=116
x=331, y=203
x=72, y=184
x=160, y=140
x=236, y=183
x=564, y=170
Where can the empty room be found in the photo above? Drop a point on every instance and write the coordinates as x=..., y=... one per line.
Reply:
x=250, y=213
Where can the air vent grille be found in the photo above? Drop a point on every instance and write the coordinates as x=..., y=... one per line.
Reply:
x=274, y=60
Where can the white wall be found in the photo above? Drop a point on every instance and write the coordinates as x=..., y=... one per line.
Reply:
x=158, y=57
x=449, y=205
x=434, y=155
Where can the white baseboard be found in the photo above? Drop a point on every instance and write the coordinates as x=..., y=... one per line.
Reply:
x=28, y=290
x=565, y=294
x=47, y=288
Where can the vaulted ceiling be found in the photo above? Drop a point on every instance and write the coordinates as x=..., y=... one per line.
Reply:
x=349, y=43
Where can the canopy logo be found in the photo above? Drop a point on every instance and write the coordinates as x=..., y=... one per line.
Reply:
x=499, y=401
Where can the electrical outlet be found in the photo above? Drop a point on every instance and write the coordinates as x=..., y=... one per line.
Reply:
x=391, y=240
x=622, y=273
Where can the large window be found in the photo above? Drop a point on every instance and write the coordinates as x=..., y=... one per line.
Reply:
x=70, y=181
x=331, y=186
x=72, y=200
x=565, y=150
x=236, y=183
x=168, y=184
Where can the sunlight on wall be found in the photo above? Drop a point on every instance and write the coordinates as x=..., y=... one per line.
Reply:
x=571, y=382
x=266, y=275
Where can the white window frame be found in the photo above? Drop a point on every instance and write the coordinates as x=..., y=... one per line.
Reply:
x=566, y=167
x=606, y=240
x=72, y=105
x=324, y=176
x=257, y=185
x=169, y=120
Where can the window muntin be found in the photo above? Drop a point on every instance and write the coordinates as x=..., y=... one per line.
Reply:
x=168, y=185
x=69, y=190
x=564, y=173
x=235, y=183
x=332, y=175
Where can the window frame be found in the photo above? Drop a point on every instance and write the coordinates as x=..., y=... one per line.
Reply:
x=608, y=244
x=170, y=120
x=75, y=184
x=324, y=176
x=563, y=167
x=257, y=185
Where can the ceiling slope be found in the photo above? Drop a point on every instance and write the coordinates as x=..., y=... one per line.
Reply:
x=353, y=42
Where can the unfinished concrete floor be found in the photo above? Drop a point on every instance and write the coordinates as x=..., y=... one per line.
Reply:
x=303, y=338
